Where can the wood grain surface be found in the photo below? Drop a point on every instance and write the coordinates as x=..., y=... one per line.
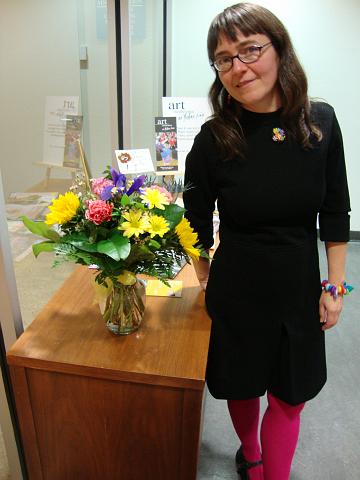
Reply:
x=69, y=335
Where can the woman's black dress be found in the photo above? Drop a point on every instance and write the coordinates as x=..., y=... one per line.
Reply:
x=264, y=285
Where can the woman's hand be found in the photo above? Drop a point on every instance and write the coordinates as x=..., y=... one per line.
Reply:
x=329, y=310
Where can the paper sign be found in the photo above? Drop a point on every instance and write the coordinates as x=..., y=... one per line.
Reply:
x=190, y=113
x=134, y=161
x=166, y=145
x=56, y=109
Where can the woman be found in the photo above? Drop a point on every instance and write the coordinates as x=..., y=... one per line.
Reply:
x=274, y=162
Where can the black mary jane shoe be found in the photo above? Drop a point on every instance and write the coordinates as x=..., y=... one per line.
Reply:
x=242, y=465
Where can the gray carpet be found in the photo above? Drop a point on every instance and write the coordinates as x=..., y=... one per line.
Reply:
x=329, y=441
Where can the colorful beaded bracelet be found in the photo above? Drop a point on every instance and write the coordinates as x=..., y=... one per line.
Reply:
x=335, y=291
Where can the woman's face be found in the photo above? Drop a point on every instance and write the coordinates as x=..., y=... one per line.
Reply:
x=254, y=85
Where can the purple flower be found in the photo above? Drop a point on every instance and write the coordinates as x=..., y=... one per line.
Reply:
x=118, y=185
x=136, y=185
x=119, y=179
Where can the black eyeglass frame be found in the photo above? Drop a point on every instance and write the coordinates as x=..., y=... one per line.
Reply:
x=259, y=47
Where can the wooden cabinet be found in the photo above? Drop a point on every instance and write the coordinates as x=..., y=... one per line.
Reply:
x=93, y=405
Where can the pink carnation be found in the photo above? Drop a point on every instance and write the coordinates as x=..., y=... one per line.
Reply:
x=98, y=211
x=164, y=191
x=98, y=184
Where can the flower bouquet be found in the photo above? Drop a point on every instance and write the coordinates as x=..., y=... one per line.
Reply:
x=121, y=227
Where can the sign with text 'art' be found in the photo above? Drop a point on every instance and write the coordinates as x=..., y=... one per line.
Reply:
x=190, y=113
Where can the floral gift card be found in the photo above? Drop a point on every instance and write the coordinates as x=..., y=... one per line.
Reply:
x=134, y=161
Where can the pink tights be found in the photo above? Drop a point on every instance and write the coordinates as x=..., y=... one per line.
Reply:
x=279, y=434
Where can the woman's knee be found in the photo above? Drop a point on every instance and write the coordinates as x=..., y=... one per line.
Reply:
x=284, y=408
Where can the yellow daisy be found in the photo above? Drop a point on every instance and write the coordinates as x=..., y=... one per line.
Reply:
x=154, y=198
x=136, y=224
x=157, y=226
x=63, y=209
x=187, y=238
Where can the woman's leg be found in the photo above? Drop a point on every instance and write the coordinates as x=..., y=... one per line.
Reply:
x=279, y=435
x=245, y=417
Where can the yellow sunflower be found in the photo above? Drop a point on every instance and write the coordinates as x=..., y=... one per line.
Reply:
x=187, y=238
x=136, y=223
x=154, y=198
x=157, y=226
x=63, y=209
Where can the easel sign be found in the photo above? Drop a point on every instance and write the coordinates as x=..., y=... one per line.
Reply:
x=56, y=110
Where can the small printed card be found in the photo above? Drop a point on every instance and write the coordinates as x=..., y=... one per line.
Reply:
x=134, y=161
x=156, y=288
x=166, y=145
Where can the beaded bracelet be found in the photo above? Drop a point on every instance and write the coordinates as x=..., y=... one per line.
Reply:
x=335, y=291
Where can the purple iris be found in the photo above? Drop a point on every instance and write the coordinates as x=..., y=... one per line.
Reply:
x=136, y=185
x=119, y=182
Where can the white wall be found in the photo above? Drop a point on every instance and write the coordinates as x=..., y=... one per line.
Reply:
x=38, y=57
x=326, y=36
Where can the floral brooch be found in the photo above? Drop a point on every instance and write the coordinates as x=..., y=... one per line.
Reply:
x=279, y=135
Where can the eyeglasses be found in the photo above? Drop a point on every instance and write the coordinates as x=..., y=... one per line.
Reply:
x=249, y=54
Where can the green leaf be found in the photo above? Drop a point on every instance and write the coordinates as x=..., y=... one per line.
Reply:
x=80, y=241
x=116, y=247
x=154, y=243
x=109, y=266
x=172, y=214
x=43, y=247
x=125, y=200
x=41, y=229
x=139, y=253
x=139, y=205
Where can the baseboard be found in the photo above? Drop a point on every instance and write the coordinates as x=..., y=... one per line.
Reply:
x=354, y=236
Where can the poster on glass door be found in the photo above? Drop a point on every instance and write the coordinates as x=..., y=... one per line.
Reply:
x=190, y=113
x=166, y=145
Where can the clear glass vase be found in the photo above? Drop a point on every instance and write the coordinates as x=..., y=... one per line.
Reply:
x=124, y=307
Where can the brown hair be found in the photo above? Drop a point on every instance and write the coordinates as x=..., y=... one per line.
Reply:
x=226, y=120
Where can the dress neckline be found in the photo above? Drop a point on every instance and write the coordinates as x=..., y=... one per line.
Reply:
x=260, y=117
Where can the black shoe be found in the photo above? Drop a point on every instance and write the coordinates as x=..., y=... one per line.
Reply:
x=242, y=465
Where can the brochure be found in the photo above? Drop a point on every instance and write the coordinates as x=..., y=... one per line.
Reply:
x=166, y=145
x=72, y=136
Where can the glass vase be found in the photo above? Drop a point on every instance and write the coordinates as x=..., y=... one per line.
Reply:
x=124, y=307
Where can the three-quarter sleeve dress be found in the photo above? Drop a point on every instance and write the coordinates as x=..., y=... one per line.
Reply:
x=264, y=284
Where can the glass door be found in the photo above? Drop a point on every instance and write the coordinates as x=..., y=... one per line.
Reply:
x=56, y=65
